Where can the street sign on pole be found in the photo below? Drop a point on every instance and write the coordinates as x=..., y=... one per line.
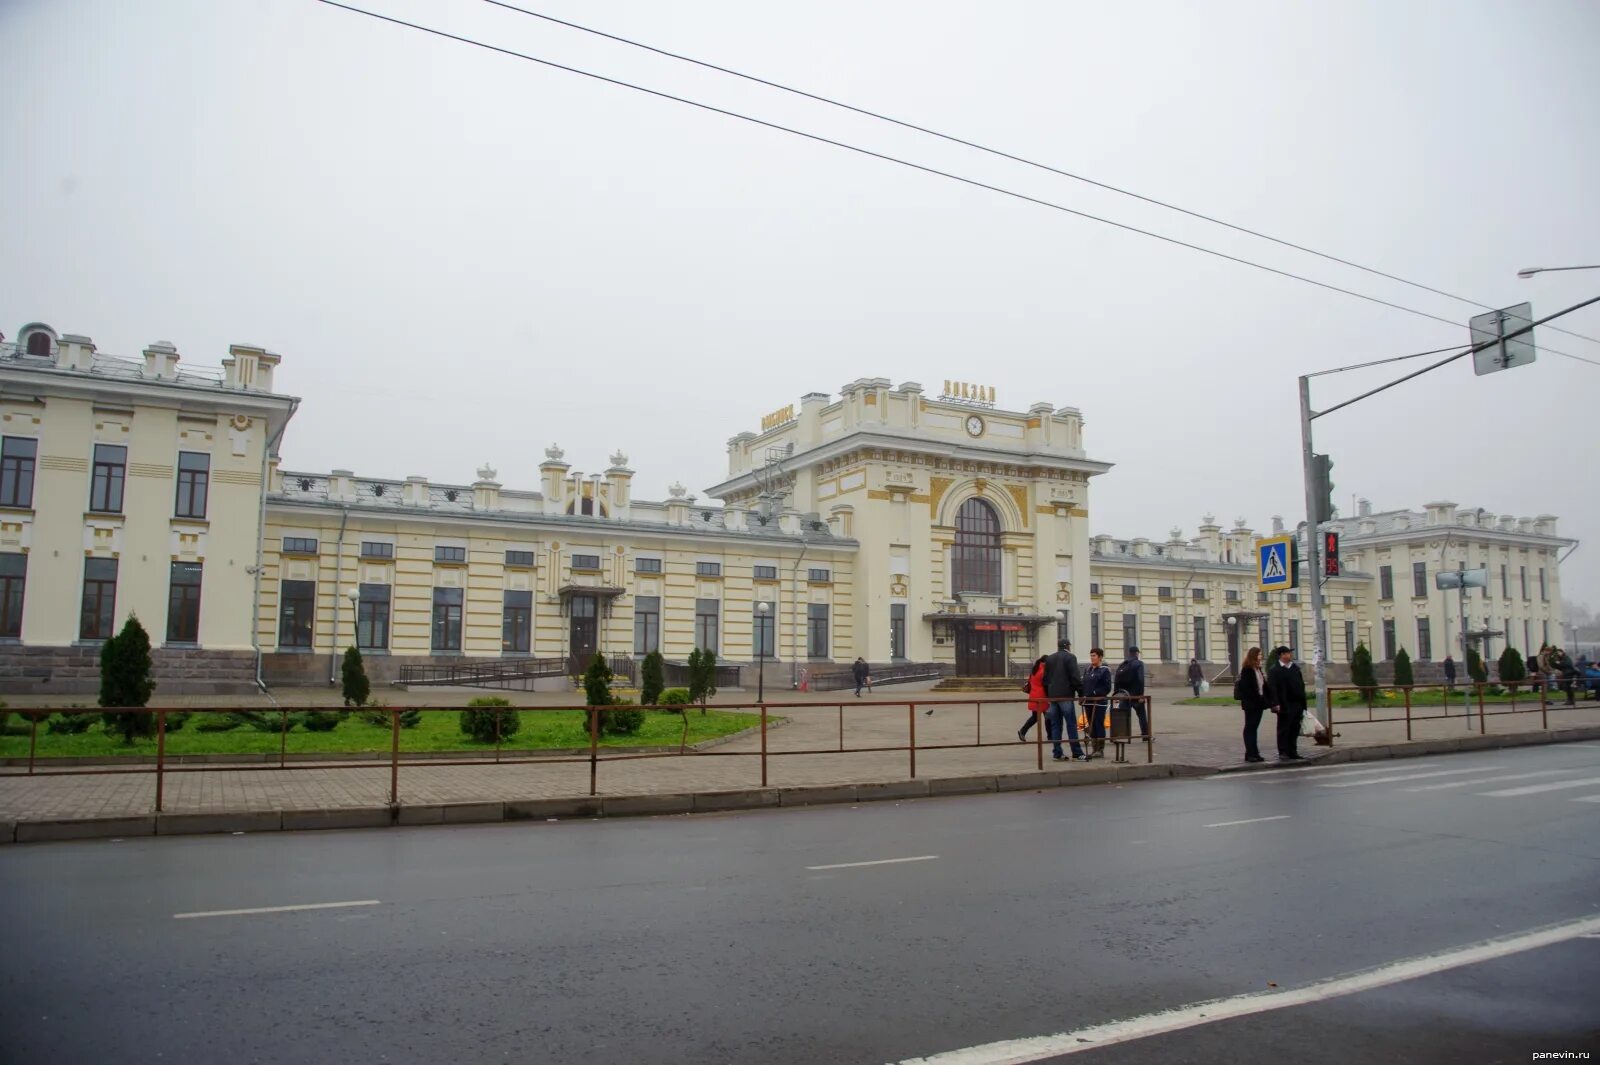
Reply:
x=1277, y=563
x=1493, y=326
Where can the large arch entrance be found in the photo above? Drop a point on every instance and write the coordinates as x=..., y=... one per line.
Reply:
x=975, y=565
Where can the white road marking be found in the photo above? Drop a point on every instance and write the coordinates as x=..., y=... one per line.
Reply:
x=1410, y=776
x=1587, y=798
x=1488, y=780
x=277, y=909
x=1535, y=789
x=1040, y=1048
x=1343, y=770
x=1251, y=821
x=880, y=861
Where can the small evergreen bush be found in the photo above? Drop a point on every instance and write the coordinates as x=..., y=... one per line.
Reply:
x=674, y=697
x=1403, y=675
x=651, y=680
x=1362, y=674
x=478, y=720
x=71, y=722
x=622, y=722
x=125, y=681
x=353, y=675
x=320, y=720
x=1511, y=667
x=217, y=723
x=1475, y=667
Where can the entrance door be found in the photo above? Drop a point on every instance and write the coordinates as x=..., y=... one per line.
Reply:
x=584, y=632
x=980, y=652
x=1235, y=636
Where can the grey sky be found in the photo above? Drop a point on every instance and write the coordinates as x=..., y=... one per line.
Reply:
x=464, y=257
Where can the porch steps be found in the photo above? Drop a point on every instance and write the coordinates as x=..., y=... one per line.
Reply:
x=1008, y=685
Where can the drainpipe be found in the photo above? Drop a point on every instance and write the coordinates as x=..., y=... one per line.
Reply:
x=261, y=537
x=794, y=606
x=338, y=575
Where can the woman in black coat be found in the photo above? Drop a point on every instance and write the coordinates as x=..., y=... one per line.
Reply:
x=1251, y=691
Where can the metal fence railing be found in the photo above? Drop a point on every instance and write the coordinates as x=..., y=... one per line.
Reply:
x=1414, y=703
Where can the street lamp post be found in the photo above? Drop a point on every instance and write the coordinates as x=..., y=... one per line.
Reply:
x=761, y=652
x=354, y=595
x=1529, y=271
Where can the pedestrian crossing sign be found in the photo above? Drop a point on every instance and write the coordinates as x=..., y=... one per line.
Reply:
x=1277, y=563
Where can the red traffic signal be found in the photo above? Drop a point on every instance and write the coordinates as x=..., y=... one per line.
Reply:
x=1330, y=554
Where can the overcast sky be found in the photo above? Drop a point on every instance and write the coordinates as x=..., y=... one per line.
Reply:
x=464, y=257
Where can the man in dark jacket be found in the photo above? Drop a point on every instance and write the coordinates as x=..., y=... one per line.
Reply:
x=1130, y=680
x=1096, y=686
x=1288, y=696
x=1063, y=683
x=861, y=674
x=1449, y=671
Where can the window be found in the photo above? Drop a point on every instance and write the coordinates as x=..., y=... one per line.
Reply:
x=441, y=553
x=297, y=612
x=817, y=645
x=1419, y=580
x=99, y=598
x=647, y=565
x=194, y=480
x=1522, y=572
x=447, y=619
x=1094, y=628
x=519, y=558
x=818, y=575
x=766, y=573
x=976, y=554
x=1293, y=598
x=764, y=636
x=1385, y=582
x=708, y=569
x=110, y=472
x=516, y=623
x=1064, y=626
x=1261, y=598
x=646, y=624
x=1388, y=639
x=1130, y=591
x=299, y=545
x=1231, y=595
x=1527, y=635
x=1544, y=589
x=706, y=616
x=1166, y=638
x=1505, y=589
x=897, y=630
x=17, y=455
x=1094, y=589
x=372, y=617
x=1424, y=640
x=1199, y=595
x=1349, y=640
x=1164, y=591
x=585, y=561
x=1349, y=600
x=1200, y=650
x=183, y=604
x=13, y=579
x=39, y=345
x=1130, y=632
x=1294, y=635
x=1546, y=633
x=374, y=549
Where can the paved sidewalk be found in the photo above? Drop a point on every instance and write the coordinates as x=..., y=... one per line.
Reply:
x=1192, y=736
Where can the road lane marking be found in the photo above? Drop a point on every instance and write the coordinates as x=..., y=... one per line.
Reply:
x=880, y=861
x=277, y=909
x=1043, y=1047
x=1410, y=776
x=1535, y=789
x=1247, y=776
x=1488, y=780
x=1251, y=821
x=1587, y=798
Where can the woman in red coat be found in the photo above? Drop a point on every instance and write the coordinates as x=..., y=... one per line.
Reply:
x=1038, y=702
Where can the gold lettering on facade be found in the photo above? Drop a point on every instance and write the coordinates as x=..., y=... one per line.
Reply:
x=781, y=416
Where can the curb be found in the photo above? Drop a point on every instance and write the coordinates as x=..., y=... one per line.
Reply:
x=653, y=805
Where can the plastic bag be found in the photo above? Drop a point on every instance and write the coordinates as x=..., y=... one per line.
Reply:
x=1205, y=686
x=1309, y=725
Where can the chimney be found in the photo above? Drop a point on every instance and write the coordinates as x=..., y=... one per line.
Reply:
x=1277, y=525
x=486, y=490
x=1040, y=431
x=161, y=361
x=249, y=368
x=1363, y=508
x=1545, y=525
x=74, y=352
x=842, y=520
x=677, y=505
x=415, y=492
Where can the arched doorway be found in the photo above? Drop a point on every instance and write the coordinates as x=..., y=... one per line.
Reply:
x=975, y=571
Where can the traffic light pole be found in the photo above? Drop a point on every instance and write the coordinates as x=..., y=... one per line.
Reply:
x=1319, y=629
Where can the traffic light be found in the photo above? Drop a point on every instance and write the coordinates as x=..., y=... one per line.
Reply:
x=1322, y=488
x=1330, y=554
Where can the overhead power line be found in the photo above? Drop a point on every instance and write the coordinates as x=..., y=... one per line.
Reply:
x=905, y=163
x=1000, y=153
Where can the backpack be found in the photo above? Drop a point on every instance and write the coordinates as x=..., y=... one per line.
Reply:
x=1127, y=675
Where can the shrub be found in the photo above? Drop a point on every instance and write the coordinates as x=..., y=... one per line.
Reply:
x=702, y=676
x=1475, y=667
x=1362, y=674
x=353, y=675
x=176, y=719
x=623, y=722
x=320, y=720
x=674, y=697
x=217, y=723
x=1511, y=667
x=125, y=680
x=1403, y=675
x=71, y=722
x=479, y=719
x=264, y=720
x=651, y=680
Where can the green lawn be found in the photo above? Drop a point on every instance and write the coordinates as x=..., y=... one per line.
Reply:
x=438, y=731
x=1391, y=697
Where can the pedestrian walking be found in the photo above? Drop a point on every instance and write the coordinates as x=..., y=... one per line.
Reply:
x=1197, y=676
x=1062, y=684
x=862, y=674
x=1130, y=681
x=1037, y=702
x=1286, y=688
x=1449, y=672
x=1251, y=691
x=1096, y=688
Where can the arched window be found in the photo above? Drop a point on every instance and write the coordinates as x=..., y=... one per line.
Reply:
x=977, y=549
x=585, y=507
x=39, y=344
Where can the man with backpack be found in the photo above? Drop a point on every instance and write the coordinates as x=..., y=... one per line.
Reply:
x=1129, y=680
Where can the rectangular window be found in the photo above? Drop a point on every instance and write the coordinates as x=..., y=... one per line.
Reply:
x=764, y=641
x=447, y=619
x=1349, y=600
x=1261, y=598
x=194, y=480
x=297, y=612
x=372, y=617
x=441, y=553
x=1199, y=594
x=897, y=630
x=1527, y=635
x=1349, y=640
x=766, y=573
x=1388, y=639
x=183, y=604
x=585, y=561
x=1419, y=580
x=1064, y=626
x=17, y=456
x=1544, y=589
x=818, y=575
x=110, y=473
x=13, y=578
x=1130, y=632
x=817, y=645
x=374, y=549
x=516, y=623
x=1164, y=591
x=1130, y=591
x=299, y=545
x=647, y=565
x=1200, y=649
x=707, y=613
x=99, y=599
x=1231, y=595
x=646, y=624
x=1385, y=582
x=1293, y=598
x=1424, y=640
x=519, y=558
x=1094, y=589
x=1094, y=628
x=1505, y=588
x=708, y=569
x=1166, y=638
x=1294, y=636
x=1522, y=572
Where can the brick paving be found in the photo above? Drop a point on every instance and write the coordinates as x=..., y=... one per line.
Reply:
x=1188, y=735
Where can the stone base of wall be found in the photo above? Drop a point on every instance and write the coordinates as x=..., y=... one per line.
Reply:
x=283, y=669
x=76, y=671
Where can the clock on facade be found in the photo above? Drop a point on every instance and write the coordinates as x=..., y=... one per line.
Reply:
x=974, y=425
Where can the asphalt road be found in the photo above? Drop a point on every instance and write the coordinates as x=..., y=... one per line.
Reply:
x=717, y=939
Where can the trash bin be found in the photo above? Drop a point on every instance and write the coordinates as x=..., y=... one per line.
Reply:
x=1121, y=727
